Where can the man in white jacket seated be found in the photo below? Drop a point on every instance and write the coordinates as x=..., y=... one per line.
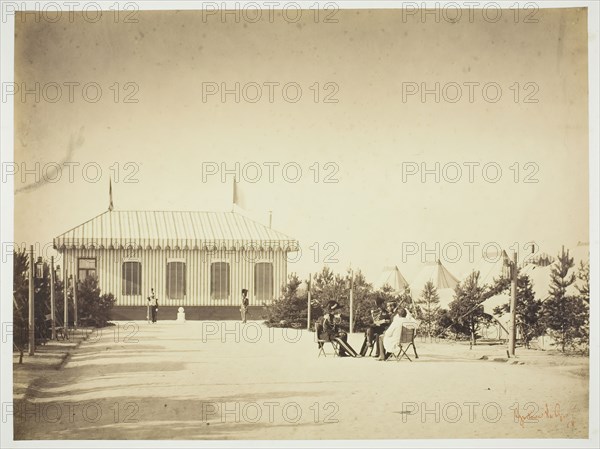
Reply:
x=388, y=342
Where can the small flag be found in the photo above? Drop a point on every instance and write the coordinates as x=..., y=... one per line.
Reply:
x=110, y=204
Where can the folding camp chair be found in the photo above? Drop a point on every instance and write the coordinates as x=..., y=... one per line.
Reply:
x=323, y=339
x=407, y=339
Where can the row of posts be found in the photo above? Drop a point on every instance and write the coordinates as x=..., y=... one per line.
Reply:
x=40, y=275
x=512, y=334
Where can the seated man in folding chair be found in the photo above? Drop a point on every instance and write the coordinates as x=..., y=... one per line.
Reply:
x=388, y=342
x=331, y=327
x=382, y=317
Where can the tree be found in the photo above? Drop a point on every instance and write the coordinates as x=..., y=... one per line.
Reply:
x=542, y=260
x=565, y=315
x=386, y=293
x=447, y=322
x=429, y=308
x=583, y=275
x=328, y=286
x=466, y=309
x=528, y=311
x=20, y=299
x=406, y=299
x=292, y=307
x=363, y=318
x=363, y=300
x=583, y=288
x=92, y=305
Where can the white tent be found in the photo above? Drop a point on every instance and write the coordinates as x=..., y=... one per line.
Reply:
x=442, y=280
x=540, y=279
x=490, y=271
x=580, y=253
x=393, y=277
x=541, y=275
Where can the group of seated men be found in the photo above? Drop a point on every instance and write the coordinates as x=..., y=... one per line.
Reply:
x=384, y=332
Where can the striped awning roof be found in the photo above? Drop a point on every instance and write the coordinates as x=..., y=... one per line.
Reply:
x=174, y=230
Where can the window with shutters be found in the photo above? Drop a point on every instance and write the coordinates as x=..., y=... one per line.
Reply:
x=263, y=281
x=219, y=280
x=176, y=280
x=132, y=278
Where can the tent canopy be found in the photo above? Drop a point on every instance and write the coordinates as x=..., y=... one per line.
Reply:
x=442, y=280
x=489, y=270
x=392, y=277
x=435, y=272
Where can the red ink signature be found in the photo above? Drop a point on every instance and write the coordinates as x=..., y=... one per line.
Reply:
x=532, y=414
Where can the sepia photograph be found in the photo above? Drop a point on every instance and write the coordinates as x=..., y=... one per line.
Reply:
x=299, y=224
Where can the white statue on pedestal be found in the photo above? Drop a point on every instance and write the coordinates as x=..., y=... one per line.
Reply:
x=180, y=315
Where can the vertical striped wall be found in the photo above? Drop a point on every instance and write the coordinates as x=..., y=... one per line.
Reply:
x=154, y=265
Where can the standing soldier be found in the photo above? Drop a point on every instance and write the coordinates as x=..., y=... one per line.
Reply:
x=245, y=303
x=153, y=304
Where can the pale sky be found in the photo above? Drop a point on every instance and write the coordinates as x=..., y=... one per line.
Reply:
x=370, y=214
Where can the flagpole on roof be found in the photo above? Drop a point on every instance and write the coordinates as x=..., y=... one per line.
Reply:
x=233, y=199
x=110, y=203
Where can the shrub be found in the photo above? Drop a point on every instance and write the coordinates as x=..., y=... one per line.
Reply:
x=93, y=307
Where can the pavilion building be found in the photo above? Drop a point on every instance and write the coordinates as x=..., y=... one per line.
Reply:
x=197, y=260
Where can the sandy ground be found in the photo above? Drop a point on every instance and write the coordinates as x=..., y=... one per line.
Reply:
x=224, y=380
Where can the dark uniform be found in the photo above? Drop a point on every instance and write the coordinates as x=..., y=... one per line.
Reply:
x=244, y=305
x=381, y=320
x=153, y=302
x=331, y=327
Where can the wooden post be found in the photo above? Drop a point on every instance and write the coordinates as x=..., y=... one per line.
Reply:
x=351, y=301
x=512, y=331
x=31, y=303
x=308, y=318
x=66, y=292
x=52, y=299
x=75, y=301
